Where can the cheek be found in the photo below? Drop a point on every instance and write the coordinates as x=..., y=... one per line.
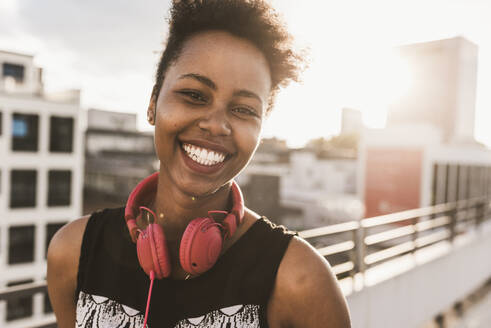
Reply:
x=165, y=129
x=167, y=122
x=249, y=140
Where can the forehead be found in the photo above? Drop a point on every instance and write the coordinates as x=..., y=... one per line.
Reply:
x=229, y=61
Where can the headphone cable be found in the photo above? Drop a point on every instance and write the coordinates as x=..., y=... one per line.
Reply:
x=152, y=278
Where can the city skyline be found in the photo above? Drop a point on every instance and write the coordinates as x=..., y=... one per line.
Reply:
x=111, y=57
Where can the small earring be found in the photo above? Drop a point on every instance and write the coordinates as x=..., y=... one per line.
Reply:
x=149, y=118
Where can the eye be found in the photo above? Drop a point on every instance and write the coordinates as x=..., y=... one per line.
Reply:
x=193, y=96
x=244, y=110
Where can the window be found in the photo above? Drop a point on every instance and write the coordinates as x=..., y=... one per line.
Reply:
x=20, y=307
x=59, y=187
x=25, y=132
x=51, y=229
x=15, y=71
x=61, y=134
x=21, y=244
x=23, y=188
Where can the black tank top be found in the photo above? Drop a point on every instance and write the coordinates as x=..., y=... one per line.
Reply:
x=112, y=288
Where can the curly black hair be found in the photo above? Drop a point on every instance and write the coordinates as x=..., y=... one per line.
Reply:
x=253, y=20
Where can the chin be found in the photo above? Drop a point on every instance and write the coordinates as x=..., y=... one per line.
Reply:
x=201, y=190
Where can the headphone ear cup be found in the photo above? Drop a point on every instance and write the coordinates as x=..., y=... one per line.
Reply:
x=152, y=251
x=201, y=245
x=144, y=252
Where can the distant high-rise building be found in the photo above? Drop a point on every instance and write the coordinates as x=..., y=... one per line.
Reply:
x=443, y=89
x=41, y=167
x=427, y=154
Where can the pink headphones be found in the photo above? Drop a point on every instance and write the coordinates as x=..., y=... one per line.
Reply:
x=201, y=242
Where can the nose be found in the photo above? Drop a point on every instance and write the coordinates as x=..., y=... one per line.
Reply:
x=216, y=123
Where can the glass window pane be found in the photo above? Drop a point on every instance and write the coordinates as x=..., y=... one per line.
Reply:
x=13, y=70
x=21, y=244
x=23, y=188
x=59, y=187
x=25, y=132
x=61, y=134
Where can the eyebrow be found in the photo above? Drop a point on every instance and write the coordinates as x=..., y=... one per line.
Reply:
x=203, y=79
x=247, y=93
x=208, y=82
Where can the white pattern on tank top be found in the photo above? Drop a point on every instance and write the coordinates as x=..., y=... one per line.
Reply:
x=100, y=312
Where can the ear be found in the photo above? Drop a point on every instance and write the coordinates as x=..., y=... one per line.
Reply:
x=151, y=111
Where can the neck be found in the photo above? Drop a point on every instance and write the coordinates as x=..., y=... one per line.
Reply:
x=179, y=208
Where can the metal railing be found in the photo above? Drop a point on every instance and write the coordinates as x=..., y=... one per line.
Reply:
x=356, y=246
x=359, y=245
x=27, y=290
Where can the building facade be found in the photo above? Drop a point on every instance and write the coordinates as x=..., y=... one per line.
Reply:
x=407, y=167
x=117, y=157
x=427, y=154
x=41, y=172
x=301, y=188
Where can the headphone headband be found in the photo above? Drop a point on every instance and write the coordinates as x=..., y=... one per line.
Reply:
x=147, y=188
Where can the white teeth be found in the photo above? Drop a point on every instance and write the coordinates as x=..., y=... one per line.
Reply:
x=203, y=156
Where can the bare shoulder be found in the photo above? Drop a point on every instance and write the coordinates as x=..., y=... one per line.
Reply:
x=306, y=292
x=250, y=214
x=64, y=248
x=63, y=257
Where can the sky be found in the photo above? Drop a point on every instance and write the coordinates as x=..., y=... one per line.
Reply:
x=109, y=49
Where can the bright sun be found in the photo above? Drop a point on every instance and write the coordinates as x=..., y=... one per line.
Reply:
x=383, y=78
x=368, y=81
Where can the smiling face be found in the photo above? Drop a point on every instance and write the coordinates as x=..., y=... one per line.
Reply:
x=210, y=111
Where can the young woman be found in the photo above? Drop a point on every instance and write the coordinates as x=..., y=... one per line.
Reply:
x=215, y=262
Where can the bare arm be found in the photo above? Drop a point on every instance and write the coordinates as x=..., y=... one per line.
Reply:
x=306, y=292
x=63, y=257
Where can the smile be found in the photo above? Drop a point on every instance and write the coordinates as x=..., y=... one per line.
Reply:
x=203, y=156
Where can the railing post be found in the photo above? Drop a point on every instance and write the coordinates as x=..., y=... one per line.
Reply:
x=415, y=234
x=354, y=254
x=480, y=209
x=486, y=208
x=453, y=222
x=360, y=248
